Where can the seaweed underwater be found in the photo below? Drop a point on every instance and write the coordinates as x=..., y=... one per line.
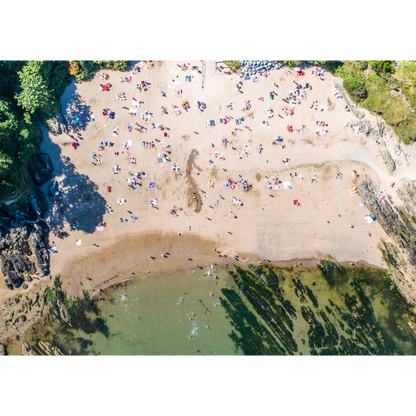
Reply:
x=329, y=310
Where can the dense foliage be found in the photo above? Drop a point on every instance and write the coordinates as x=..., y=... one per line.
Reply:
x=30, y=92
x=384, y=88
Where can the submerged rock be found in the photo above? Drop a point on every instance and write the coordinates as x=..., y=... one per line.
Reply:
x=26, y=350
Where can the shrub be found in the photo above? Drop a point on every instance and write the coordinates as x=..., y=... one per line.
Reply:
x=355, y=86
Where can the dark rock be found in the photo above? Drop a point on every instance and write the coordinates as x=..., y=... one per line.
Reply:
x=36, y=205
x=13, y=280
x=3, y=350
x=25, y=286
x=38, y=246
x=16, y=244
x=42, y=169
x=13, y=267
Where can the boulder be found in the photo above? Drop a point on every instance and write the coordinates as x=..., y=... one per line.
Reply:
x=57, y=125
x=36, y=205
x=13, y=280
x=42, y=169
x=37, y=244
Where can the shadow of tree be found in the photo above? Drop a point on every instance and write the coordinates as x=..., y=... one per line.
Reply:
x=75, y=110
x=71, y=196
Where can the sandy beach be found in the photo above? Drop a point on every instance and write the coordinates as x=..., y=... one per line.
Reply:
x=268, y=224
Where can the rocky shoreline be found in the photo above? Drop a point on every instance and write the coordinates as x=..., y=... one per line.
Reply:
x=399, y=224
x=24, y=253
x=40, y=348
x=24, y=233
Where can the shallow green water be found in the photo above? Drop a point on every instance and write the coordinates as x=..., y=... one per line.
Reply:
x=270, y=310
x=151, y=317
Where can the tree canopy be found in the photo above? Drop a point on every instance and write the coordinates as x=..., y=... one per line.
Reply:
x=25, y=94
x=34, y=92
x=30, y=92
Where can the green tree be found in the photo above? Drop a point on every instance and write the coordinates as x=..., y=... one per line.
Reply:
x=27, y=144
x=34, y=89
x=6, y=163
x=8, y=128
x=386, y=67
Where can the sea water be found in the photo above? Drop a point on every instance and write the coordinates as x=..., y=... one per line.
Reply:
x=209, y=312
x=169, y=314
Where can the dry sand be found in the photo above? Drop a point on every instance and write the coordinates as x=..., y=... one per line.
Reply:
x=266, y=227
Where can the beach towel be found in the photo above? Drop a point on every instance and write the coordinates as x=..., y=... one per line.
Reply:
x=353, y=191
x=287, y=185
x=129, y=143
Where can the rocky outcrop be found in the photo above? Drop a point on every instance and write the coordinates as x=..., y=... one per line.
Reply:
x=27, y=352
x=400, y=254
x=16, y=245
x=377, y=129
x=385, y=154
x=41, y=169
x=42, y=347
x=407, y=193
x=57, y=125
x=47, y=349
x=3, y=350
x=37, y=244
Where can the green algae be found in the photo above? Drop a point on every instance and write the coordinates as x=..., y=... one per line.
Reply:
x=332, y=310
